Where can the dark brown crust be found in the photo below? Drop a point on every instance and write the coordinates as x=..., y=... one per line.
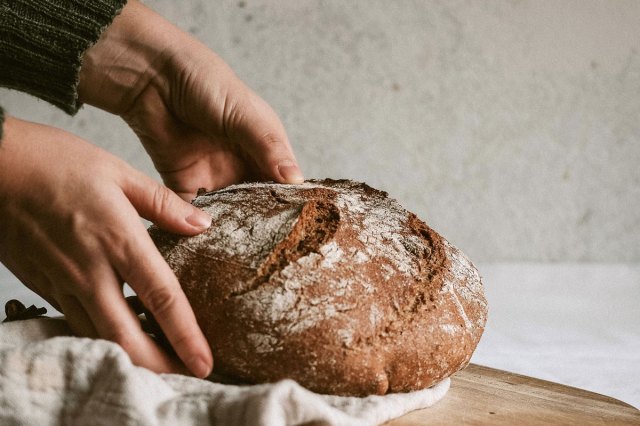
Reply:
x=330, y=283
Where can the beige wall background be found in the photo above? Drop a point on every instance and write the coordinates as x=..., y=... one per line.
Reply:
x=511, y=127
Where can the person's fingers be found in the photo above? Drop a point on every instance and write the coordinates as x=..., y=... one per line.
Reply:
x=164, y=207
x=114, y=320
x=144, y=269
x=256, y=127
x=77, y=318
x=159, y=291
x=80, y=227
x=244, y=119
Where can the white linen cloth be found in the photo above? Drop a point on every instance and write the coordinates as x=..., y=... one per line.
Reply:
x=49, y=378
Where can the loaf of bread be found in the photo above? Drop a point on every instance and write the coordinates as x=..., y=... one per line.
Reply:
x=330, y=283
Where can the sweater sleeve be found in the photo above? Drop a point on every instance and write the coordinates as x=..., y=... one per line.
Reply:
x=42, y=43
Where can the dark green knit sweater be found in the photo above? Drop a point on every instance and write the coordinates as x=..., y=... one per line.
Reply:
x=42, y=42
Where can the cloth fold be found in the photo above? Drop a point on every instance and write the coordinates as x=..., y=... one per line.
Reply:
x=50, y=378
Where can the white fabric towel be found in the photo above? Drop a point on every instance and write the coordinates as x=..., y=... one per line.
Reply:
x=49, y=378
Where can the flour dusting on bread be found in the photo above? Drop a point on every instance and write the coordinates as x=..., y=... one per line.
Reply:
x=331, y=283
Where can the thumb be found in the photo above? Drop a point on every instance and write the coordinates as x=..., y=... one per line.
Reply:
x=160, y=205
x=256, y=128
x=249, y=123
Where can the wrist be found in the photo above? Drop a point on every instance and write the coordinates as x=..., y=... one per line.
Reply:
x=126, y=58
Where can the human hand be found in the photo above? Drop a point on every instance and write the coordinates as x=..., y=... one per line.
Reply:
x=71, y=232
x=199, y=123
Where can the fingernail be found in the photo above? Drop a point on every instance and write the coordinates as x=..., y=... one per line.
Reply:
x=290, y=172
x=199, y=219
x=199, y=367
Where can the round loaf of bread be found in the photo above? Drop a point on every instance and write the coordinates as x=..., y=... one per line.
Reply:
x=330, y=283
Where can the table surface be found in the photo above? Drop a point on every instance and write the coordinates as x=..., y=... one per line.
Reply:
x=486, y=396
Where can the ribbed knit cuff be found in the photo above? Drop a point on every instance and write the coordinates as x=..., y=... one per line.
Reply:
x=42, y=42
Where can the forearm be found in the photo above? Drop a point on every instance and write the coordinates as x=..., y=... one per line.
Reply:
x=42, y=43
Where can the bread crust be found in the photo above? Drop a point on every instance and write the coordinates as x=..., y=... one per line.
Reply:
x=330, y=283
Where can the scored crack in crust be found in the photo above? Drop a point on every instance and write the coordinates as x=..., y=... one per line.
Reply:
x=330, y=283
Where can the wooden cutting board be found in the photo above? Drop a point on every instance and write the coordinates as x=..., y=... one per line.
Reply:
x=485, y=396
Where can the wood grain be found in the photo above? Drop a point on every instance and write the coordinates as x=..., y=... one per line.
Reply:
x=486, y=396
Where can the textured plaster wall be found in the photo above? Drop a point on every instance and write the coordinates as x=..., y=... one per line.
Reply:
x=512, y=127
